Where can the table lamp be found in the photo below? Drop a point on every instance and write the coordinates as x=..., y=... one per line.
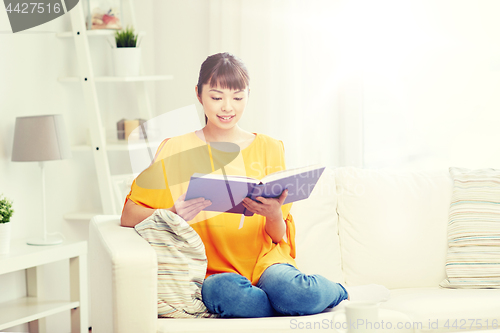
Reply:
x=40, y=139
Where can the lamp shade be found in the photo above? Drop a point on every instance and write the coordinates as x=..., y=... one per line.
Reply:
x=40, y=138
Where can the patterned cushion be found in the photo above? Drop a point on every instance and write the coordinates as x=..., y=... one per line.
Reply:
x=182, y=264
x=473, y=259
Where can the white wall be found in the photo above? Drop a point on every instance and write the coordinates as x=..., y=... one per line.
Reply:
x=431, y=74
x=182, y=42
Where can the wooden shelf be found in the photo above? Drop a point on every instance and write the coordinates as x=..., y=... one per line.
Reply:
x=80, y=216
x=83, y=72
x=34, y=307
x=141, y=78
x=120, y=146
x=93, y=33
x=23, y=256
x=27, y=309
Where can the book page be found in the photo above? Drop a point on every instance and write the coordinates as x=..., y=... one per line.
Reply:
x=243, y=179
x=290, y=172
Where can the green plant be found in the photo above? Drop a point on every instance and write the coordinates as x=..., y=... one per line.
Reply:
x=5, y=209
x=126, y=38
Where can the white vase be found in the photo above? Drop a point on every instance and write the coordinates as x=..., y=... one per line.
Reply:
x=127, y=61
x=5, y=237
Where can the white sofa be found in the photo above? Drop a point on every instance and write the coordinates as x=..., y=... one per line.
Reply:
x=358, y=227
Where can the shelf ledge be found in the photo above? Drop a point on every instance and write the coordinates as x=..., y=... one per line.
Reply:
x=80, y=216
x=27, y=309
x=93, y=33
x=120, y=146
x=140, y=78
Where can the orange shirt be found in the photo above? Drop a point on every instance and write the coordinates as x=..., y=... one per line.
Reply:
x=247, y=251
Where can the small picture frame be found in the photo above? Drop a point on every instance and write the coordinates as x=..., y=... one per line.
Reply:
x=104, y=14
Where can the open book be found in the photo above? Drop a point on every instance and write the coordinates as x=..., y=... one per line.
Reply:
x=227, y=192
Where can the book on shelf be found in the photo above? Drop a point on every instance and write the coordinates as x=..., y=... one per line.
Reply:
x=227, y=192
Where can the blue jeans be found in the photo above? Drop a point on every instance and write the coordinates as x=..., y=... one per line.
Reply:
x=282, y=290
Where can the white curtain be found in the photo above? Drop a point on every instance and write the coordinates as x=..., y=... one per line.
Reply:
x=386, y=83
x=291, y=50
x=431, y=78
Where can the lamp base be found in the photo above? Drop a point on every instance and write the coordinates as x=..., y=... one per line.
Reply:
x=49, y=240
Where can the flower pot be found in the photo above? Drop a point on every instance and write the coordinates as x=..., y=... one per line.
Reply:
x=5, y=237
x=127, y=61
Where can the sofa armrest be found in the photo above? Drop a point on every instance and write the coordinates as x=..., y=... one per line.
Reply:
x=123, y=269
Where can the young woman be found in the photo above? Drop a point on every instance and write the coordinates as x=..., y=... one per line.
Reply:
x=251, y=271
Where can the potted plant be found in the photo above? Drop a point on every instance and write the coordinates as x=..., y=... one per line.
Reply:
x=6, y=212
x=127, y=54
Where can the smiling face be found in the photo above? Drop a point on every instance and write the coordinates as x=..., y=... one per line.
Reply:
x=223, y=106
x=222, y=89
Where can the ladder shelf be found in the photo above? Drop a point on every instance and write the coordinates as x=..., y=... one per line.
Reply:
x=80, y=34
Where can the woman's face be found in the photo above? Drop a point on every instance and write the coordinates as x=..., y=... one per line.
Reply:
x=223, y=107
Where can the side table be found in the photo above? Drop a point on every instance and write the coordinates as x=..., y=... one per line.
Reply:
x=33, y=308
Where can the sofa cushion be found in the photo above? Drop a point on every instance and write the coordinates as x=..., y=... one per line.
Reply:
x=321, y=322
x=473, y=259
x=439, y=309
x=392, y=226
x=276, y=324
x=316, y=238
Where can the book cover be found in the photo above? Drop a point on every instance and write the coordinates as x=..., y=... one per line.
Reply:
x=227, y=193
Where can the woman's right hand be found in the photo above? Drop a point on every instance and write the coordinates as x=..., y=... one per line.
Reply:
x=190, y=208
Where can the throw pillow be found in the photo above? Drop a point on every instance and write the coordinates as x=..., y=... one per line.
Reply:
x=473, y=259
x=182, y=264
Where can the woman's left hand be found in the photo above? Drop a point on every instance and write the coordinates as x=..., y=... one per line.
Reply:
x=269, y=207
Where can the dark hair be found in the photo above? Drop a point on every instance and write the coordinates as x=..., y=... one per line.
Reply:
x=224, y=69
